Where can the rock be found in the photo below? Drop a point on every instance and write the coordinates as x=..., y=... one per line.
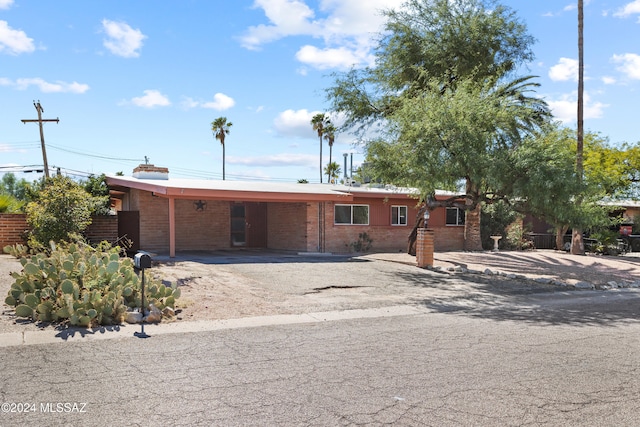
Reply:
x=168, y=312
x=489, y=272
x=613, y=284
x=450, y=269
x=512, y=276
x=458, y=269
x=584, y=285
x=154, y=316
x=133, y=317
x=543, y=280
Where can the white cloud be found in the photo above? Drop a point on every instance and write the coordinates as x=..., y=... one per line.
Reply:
x=628, y=9
x=565, y=109
x=341, y=57
x=565, y=69
x=283, y=159
x=220, y=102
x=152, y=98
x=630, y=64
x=122, y=39
x=44, y=86
x=608, y=80
x=297, y=124
x=13, y=41
x=345, y=27
x=5, y=4
x=287, y=18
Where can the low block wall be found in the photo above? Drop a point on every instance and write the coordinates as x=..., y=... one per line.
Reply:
x=14, y=227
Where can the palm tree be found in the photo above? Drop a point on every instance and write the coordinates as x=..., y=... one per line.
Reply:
x=577, y=243
x=319, y=122
x=330, y=136
x=220, y=128
x=333, y=171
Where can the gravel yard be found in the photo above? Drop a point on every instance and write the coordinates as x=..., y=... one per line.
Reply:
x=227, y=285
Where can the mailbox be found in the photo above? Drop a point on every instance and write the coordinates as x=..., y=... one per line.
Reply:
x=142, y=260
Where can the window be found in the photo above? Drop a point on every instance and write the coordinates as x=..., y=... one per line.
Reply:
x=351, y=214
x=398, y=215
x=455, y=216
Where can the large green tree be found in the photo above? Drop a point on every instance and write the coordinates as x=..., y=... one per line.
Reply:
x=11, y=185
x=221, y=128
x=543, y=176
x=445, y=100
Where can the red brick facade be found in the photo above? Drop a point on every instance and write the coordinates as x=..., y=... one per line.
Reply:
x=424, y=248
x=13, y=228
x=294, y=226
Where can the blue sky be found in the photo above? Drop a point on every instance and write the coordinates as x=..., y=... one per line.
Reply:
x=130, y=79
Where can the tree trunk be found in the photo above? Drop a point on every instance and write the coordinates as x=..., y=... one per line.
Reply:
x=413, y=236
x=320, y=158
x=561, y=230
x=472, y=239
x=577, y=243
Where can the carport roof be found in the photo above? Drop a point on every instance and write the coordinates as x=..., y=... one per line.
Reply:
x=253, y=190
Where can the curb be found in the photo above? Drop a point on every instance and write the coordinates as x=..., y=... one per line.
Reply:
x=13, y=339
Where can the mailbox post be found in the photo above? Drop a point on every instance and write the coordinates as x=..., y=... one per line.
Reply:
x=142, y=261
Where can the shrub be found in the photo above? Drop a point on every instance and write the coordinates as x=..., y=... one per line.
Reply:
x=61, y=208
x=363, y=244
x=79, y=285
x=9, y=204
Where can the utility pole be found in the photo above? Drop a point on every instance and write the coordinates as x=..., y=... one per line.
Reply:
x=40, y=120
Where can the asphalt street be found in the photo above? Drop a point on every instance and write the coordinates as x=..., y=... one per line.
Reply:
x=575, y=362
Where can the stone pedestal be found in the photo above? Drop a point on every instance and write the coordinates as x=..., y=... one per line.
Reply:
x=424, y=248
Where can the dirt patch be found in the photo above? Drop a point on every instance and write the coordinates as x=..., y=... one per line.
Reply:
x=259, y=287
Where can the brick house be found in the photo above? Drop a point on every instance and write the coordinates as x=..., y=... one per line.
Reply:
x=166, y=215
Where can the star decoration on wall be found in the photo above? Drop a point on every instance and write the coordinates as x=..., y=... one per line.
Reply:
x=200, y=205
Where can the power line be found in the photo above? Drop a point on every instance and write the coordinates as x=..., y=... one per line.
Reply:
x=97, y=156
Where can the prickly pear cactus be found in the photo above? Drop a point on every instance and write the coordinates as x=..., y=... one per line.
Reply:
x=82, y=286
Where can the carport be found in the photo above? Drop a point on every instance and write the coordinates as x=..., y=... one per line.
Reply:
x=246, y=223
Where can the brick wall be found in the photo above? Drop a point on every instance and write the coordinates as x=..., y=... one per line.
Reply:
x=387, y=237
x=154, y=220
x=206, y=229
x=12, y=229
x=448, y=238
x=312, y=227
x=102, y=228
x=286, y=226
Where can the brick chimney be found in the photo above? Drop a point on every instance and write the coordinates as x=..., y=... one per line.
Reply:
x=149, y=171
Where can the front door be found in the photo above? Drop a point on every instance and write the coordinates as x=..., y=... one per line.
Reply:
x=249, y=224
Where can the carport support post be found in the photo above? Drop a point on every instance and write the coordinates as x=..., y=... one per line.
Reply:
x=424, y=248
x=172, y=227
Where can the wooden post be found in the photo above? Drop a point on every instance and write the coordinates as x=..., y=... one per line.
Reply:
x=40, y=120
